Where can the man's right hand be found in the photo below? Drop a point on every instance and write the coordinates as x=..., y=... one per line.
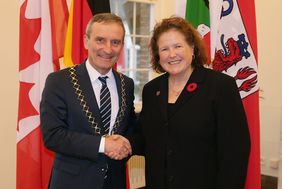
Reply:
x=117, y=147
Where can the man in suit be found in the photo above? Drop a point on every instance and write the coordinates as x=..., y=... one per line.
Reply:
x=73, y=123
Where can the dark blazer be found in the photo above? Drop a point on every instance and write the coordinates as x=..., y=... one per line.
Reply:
x=203, y=142
x=67, y=132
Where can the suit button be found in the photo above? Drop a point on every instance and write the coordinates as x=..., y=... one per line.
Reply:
x=169, y=152
x=170, y=178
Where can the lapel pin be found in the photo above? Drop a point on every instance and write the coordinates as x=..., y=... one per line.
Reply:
x=191, y=87
x=158, y=93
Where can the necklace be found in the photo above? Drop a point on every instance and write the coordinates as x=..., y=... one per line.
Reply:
x=175, y=86
x=175, y=90
x=176, y=93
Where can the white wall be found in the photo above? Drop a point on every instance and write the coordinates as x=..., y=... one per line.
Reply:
x=269, y=28
x=270, y=76
x=9, y=18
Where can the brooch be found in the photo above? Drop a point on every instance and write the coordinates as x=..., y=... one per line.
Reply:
x=191, y=87
x=158, y=93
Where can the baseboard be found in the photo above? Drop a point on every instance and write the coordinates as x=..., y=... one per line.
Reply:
x=269, y=182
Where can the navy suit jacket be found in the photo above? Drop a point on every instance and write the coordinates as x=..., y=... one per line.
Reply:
x=67, y=132
x=200, y=142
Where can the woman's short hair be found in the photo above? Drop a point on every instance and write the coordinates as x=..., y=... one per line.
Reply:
x=192, y=37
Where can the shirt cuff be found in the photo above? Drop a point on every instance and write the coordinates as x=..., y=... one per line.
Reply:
x=102, y=145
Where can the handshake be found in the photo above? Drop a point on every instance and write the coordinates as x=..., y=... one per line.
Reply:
x=117, y=147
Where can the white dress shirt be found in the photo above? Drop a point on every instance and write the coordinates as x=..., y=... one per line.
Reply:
x=97, y=85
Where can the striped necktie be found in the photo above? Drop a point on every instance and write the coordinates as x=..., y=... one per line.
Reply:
x=105, y=105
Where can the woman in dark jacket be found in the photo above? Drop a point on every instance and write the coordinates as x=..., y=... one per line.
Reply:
x=193, y=130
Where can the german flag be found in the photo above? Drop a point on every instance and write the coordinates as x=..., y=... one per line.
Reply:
x=80, y=13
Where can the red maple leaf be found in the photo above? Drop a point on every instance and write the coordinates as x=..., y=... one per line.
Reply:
x=30, y=29
x=26, y=108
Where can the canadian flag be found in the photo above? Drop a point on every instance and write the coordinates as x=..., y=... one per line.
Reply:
x=40, y=48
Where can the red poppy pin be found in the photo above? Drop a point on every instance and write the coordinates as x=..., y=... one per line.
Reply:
x=191, y=87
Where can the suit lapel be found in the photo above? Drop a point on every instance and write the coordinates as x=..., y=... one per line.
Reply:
x=121, y=90
x=89, y=95
x=191, y=88
x=86, y=87
x=162, y=93
x=118, y=84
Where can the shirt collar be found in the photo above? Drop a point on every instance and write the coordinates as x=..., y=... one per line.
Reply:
x=94, y=74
